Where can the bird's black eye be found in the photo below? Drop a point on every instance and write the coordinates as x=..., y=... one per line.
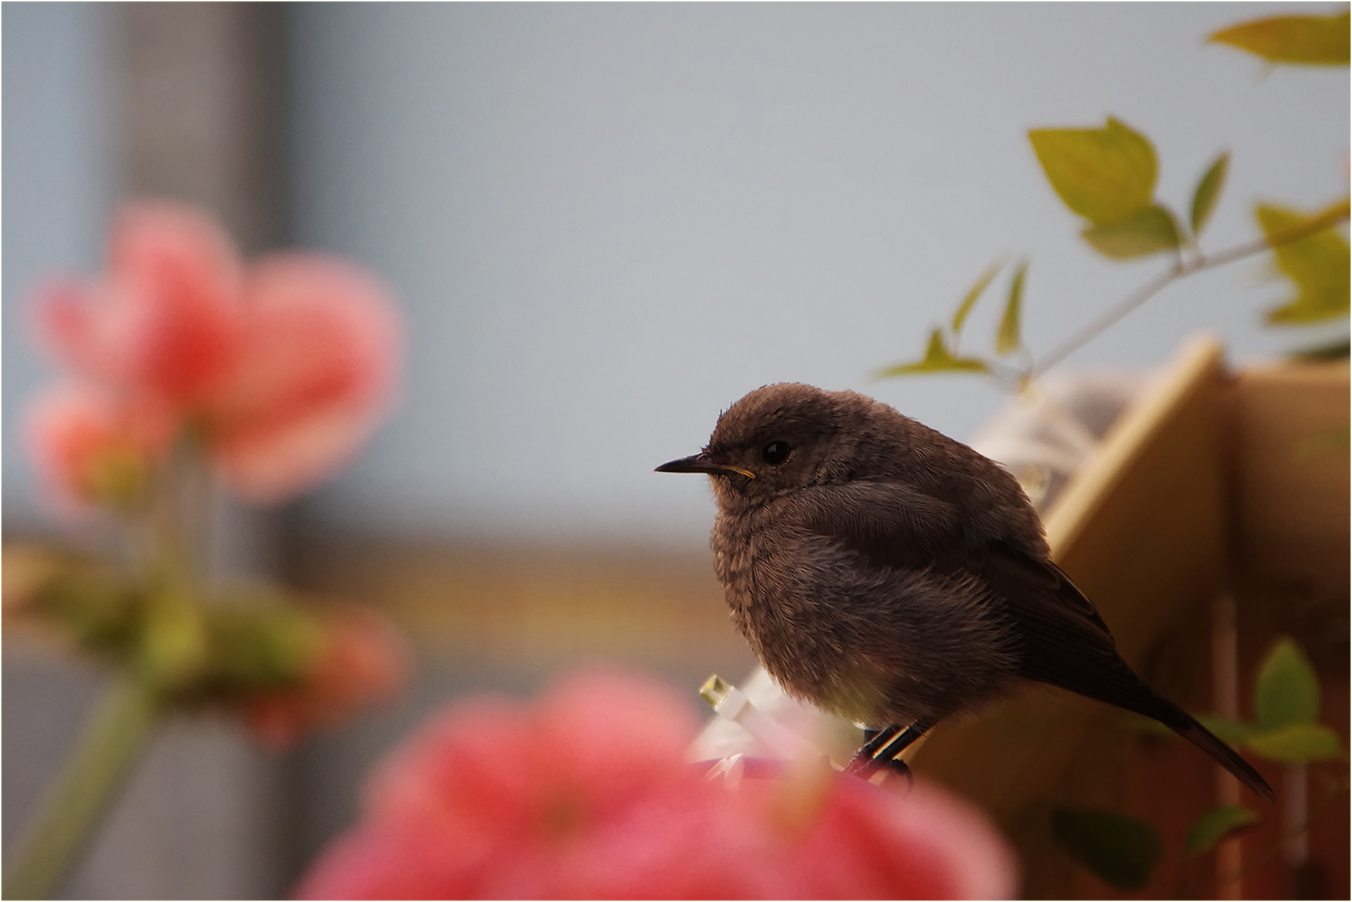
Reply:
x=776, y=452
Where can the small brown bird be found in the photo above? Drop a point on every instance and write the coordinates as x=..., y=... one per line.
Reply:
x=892, y=575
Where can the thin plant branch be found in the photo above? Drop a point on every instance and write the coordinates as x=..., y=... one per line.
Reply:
x=1185, y=267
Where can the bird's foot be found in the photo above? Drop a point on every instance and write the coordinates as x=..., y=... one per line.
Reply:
x=883, y=748
x=864, y=766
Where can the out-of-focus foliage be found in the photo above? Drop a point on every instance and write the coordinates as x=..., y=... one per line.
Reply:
x=1218, y=824
x=1208, y=191
x=1285, y=728
x=969, y=301
x=1107, y=176
x=1009, y=339
x=938, y=359
x=1121, y=850
x=1295, y=40
x=1145, y=232
x=1317, y=267
x=1286, y=705
x=1287, y=690
x=1104, y=174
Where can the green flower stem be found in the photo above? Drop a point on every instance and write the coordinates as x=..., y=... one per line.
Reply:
x=113, y=740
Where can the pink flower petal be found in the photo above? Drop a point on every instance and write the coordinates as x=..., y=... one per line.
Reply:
x=951, y=850
x=317, y=368
x=163, y=321
x=90, y=446
x=360, y=660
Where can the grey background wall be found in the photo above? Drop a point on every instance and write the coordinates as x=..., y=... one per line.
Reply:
x=610, y=221
x=57, y=185
x=607, y=222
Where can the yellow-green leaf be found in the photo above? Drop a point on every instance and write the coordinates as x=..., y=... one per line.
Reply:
x=1226, y=730
x=1148, y=231
x=1103, y=174
x=969, y=301
x=1217, y=824
x=1302, y=40
x=1339, y=438
x=1145, y=726
x=1008, y=338
x=1287, y=690
x=1338, y=349
x=937, y=359
x=1297, y=743
x=1119, y=849
x=1317, y=265
x=1208, y=192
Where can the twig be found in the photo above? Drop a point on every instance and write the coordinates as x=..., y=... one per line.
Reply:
x=1186, y=267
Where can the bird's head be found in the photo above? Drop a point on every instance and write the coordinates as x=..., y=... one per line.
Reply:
x=776, y=439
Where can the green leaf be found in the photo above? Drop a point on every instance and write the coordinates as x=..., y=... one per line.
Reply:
x=1147, y=231
x=1300, y=40
x=1227, y=730
x=1297, y=743
x=1217, y=824
x=1287, y=690
x=1339, y=438
x=1318, y=265
x=1208, y=192
x=937, y=359
x=1103, y=174
x=1338, y=349
x=1145, y=726
x=976, y=291
x=1007, y=339
x=1121, y=850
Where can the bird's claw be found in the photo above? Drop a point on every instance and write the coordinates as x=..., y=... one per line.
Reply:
x=864, y=766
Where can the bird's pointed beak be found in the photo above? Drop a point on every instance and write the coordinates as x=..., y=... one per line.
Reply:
x=700, y=463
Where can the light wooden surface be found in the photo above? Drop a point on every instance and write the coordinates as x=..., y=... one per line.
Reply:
x=1290, y=477
x=1209, y=480
x=1140, y=531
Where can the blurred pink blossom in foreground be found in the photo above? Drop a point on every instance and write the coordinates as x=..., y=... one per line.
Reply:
x=280, y=368
x=586, y=794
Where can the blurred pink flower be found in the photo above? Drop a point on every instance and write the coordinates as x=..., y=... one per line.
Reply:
x=163, y=321
x=586, y=794
x=316, y=367
x=282, y=367
x=91, y=447
x=360, y=660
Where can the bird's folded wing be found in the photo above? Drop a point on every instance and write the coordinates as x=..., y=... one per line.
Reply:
x=889, y=524
x=1065, y=641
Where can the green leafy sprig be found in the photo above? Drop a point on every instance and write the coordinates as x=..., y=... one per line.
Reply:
x=1107, y=176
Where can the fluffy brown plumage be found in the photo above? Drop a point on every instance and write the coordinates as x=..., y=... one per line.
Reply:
x=885, y=572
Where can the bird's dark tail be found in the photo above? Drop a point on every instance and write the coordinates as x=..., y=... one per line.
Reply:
x=1067, y=644
x=1146, y=699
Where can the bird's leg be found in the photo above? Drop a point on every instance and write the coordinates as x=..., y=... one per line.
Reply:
x=883, y=748
x=863, y=765
x=874, y=740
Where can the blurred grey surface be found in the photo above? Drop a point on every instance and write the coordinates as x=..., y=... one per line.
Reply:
x=610, y=221
x=607, y=222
